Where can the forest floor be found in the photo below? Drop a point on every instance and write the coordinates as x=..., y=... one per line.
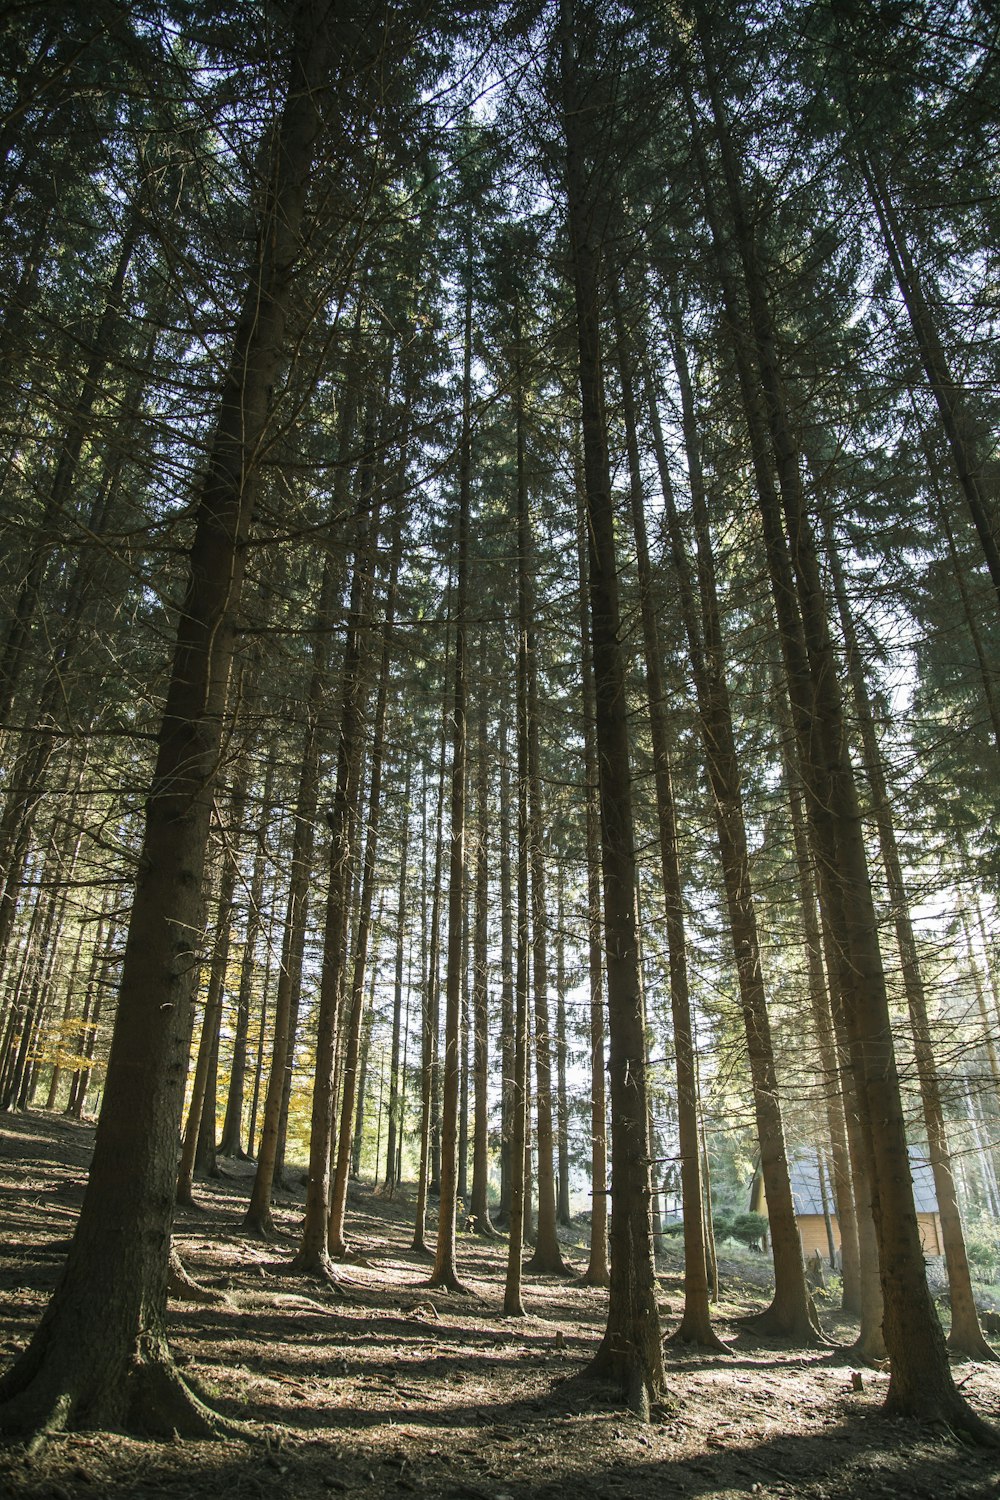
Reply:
x=392, y=1390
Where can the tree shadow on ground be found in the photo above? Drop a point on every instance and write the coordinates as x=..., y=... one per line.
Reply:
x=398, y=1390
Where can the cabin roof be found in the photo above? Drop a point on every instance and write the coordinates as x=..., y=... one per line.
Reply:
x=804, y=1172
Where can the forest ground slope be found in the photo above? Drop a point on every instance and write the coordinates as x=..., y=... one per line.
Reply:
x=392, y=1390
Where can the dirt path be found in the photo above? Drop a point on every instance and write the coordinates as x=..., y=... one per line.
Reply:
x=394, y=1390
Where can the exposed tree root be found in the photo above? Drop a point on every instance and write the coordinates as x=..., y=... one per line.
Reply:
x=324, y=1274
x=549, y=1265
x=801, y=1328
x=948, y=1410
x=869, y=1348
x=184, y=1288
x=624, y=1371
x=318, y=1266
x=448, y=1282
x=971, y=1344
x=35, y=1415
x=150, y=1398
x=184, y=1198
x=694, y=1333
x=259, y=1227
x=596, y=1278
x=349, y=1256
x=162, y=1404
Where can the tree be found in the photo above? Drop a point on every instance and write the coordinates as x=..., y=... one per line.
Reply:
x=921, y=1381
x=695, y=1326
x=344, y=819
x=444, y=1272
x=630, y=1353
x=100, y=1355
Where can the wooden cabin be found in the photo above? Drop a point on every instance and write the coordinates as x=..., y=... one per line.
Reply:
x=812, y=1194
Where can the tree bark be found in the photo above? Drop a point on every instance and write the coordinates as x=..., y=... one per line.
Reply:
x=203, y=1092
x=506, y=965
x=597, y=1272
x=336, y=1240
x=394, y=1130
x=444, y=1272
x=833, y=1078
x=970, y=467
x=313, y=1257
x=790, y=1314
x=429, y=1009
x=258, y=1220
x=696, y=1322
x=920, y=1378
x=965, y=1335
x=479, y=1208
x=100, y=1355
x=630, y=1352
x=547, y=1258
x=231, y=1143
x=563, y=1214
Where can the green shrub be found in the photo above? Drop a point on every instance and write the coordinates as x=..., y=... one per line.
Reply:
x=749, y=1229
x=723, y=1225
x=983, y=1250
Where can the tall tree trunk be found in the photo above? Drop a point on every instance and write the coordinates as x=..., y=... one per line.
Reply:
x=429, y=1008
x=790, y=1314
x=44, y=928
x=479, y=1208
x=203, y=1093
x=989, y=1025
x=870, y=1343
x=834, y=1079
x=960, y=573
x=965, y=1336
x=258, y=1220
x=520, y=1157
x=364, y=1068
x=970, y=464
x=696, y=1323
x=547, y=1258
x=104, y=941
x=631, y=1352
x=100, y=1352
x=506, y=965
x=231, y=1143
x=336, y=1241
x=520, y=1153
x=920, y=1377
x=444, y=1272
x=17, y=633
x=597, y=1272
x=464, y=1037
x=70, y=996
x=563, y=1214
x=52, y=701
x=394, y=1129
x=313, y=1257
x=797, y=669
